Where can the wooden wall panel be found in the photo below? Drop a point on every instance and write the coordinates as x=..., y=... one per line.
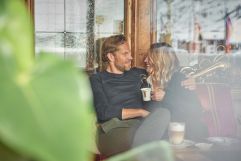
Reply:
x=141, y=26
x=142, y=30
x=128, y=19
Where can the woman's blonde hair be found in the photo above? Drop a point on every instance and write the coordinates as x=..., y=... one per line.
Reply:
x=163, y=63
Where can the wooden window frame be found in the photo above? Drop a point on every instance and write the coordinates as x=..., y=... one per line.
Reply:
x=140, y=28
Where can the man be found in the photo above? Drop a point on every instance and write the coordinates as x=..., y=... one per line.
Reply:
x=124, y=119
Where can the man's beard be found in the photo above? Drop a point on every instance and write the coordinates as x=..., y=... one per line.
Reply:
x=123, y=67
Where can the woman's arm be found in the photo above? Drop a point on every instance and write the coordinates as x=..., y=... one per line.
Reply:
x=189, y=83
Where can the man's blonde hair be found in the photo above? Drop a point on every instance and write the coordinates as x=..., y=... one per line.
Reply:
x=111, y=45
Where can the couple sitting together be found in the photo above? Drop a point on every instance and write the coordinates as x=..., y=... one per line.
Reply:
x=124, y=119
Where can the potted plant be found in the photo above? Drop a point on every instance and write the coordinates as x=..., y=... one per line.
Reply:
x=45, y=104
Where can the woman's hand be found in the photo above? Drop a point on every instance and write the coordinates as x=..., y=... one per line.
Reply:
x=157, y=94
x=189, y=83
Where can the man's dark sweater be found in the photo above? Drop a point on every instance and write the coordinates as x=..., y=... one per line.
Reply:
x=113, y=92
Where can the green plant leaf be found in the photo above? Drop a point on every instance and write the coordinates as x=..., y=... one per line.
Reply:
x=48, y=116
x=7, y=154
x=16, y=33
x=46, y=106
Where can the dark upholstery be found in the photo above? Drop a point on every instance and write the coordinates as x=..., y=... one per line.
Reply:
x=218, y=110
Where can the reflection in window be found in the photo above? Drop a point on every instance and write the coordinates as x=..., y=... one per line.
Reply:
x=204, y=33
x=61, y=26
x=109, y=17
x=200, y=26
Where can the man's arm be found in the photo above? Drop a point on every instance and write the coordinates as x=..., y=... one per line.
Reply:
x=133, y=113
x=103, y=108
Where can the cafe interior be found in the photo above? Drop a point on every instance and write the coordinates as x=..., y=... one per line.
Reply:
x=205, y=34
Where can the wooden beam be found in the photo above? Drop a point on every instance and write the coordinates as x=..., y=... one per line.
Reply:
x=128, y=19
x=153, y=21
x=140, y=25
x=30, y=6
x=140, y=28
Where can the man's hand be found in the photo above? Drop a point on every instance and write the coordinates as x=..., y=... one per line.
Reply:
x=189, y=83
x=145, y=113
x=158, y=94
x=133, y=113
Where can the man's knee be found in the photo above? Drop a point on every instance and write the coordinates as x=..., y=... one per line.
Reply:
x=163, y=113
x=117, y=140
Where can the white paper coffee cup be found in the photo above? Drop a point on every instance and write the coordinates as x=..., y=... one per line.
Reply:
x=146, y=94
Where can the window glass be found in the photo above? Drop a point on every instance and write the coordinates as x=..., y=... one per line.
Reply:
x=200, y=26
x=61, y=25
x=50, y=42
x=204, y=33
x=49, y=16
x=109, y=17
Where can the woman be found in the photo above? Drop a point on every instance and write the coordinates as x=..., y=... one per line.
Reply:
x=168, y=90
